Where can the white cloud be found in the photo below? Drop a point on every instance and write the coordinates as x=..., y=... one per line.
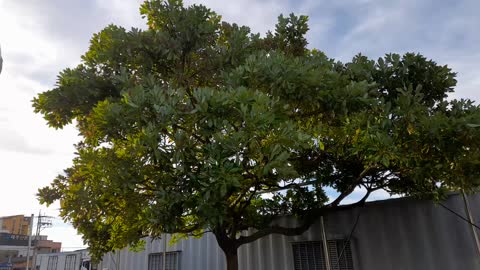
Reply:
x=443, y=31
x=31, y=154
x=260, y=16
x=467, y=66
x=121, y=12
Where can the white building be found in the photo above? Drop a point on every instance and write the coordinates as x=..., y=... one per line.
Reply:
x=73, y=260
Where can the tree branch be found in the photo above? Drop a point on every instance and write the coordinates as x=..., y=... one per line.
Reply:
x=310, y=218
x=190, y=230
x=274, y=229
x=239, y=198
x=200, y=139
x=351, y=188
x=287, y=187
x=247, y=202
x=199, y=234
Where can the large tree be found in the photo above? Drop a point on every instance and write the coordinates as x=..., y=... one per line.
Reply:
x=198, y=125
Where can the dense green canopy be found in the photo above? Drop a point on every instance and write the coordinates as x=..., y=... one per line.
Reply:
x=199, y=125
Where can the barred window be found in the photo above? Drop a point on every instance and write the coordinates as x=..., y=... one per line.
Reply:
x=70, y=262
x=155, y=261
x=52, y=263
x=310, y=256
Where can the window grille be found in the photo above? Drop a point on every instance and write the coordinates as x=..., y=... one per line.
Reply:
x=310, y=256
x=52, y=263
x=70, y=261
x=155, y=261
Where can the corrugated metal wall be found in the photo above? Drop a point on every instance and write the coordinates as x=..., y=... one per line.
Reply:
x=393, y=234
x=202, y=253
x=42, y=260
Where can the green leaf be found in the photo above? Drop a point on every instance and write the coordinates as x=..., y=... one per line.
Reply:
x=223, y=189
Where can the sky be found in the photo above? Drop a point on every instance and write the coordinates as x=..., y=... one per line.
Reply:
x=39, y=38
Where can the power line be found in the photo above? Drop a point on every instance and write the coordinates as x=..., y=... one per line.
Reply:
x=347, y=242
x=358, y=217
x=458, y=215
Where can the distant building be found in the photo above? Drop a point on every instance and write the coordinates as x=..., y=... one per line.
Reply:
x=18, y=224
x=13, y=249
x=72, y=260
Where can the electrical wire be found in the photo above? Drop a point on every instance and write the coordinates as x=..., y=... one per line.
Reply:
x=358, y=217
x=458, y=215
x=347, y=242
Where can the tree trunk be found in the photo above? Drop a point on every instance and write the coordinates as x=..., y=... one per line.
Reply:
x=229, y=247
x=232, y=260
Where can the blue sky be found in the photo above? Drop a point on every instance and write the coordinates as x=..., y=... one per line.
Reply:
x=40, y=38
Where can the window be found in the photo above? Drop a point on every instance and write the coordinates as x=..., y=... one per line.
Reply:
x=70, y=261
x=155, y=261
x=310, y=256
x=52, y=263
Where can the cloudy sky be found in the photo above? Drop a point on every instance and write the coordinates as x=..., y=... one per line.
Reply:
x=39, y=38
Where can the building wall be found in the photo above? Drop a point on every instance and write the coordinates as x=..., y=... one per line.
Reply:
x=6, y=255
x=14, y=248
x=8, y=239
x=18, y=250
x=15, y=224
x=390, y=235
x=80, y=255
x=48, y=246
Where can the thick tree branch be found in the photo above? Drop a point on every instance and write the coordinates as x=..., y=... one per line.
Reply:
x=311, y=216
x=247, y=202
x=239, y=198
x=274, y=229
x=351, y=188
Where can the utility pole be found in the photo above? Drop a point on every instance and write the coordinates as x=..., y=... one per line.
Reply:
x=164, y=251
x=42, y=223
x=472, y=221
x=30, y=230
x=325, y=245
